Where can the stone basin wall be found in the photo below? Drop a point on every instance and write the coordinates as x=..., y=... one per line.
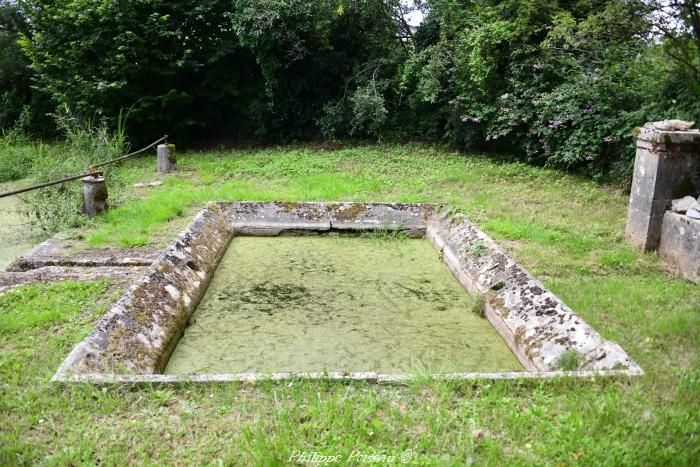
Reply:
x=135, y=339
x=536, y=325
x=680, y=243
x=138, y=334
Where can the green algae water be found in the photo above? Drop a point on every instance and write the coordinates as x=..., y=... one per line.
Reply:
x=336, y=304
x=16, y=233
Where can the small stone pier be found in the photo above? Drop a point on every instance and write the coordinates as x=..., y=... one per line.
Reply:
x=667, y=179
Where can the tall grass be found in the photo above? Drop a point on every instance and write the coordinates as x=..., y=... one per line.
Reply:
x=16, y=152
x=58, y=207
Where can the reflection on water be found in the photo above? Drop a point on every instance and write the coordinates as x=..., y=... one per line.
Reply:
x=336, y=304
x=16, y=233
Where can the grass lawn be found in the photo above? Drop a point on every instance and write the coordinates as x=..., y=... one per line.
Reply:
x=566, y=230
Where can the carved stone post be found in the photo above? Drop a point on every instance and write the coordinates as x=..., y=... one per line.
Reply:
x=667, y=166
x=94, y=195
x=167, y=162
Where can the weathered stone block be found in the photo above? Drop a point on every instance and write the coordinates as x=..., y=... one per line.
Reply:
x=680, y=244
x=61, y=253
x=94, y=195
x=410, y=218
x=276, y=218
x=167, y=161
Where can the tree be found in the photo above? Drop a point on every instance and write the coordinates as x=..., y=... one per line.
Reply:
x=677, y=23
x=238, y=68
x=15, y=90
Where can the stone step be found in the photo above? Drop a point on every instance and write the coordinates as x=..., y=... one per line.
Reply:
x=10, y=279
x=56, y=252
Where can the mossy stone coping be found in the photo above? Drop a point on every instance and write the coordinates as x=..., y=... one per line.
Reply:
x=133, y=341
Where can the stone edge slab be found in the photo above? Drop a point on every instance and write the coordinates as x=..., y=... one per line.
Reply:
x=669, y=140
x=279, y=218
x=535, y=324
x=138, y=334
x=52, y=252
x=10, y=280
x=370, y=377
x=408, y=217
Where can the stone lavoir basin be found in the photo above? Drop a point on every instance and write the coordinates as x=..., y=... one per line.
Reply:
x=358, y=291
x=336, y=302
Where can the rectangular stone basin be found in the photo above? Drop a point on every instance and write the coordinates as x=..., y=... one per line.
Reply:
x=345, y=303
x=362, y=291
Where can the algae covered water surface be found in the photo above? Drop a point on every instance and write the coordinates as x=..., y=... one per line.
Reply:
x=16, y=232
x=336, y=304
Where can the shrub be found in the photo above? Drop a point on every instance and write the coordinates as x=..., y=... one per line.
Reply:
x=213, y=67
x=16, y=157
x=17, y=152
x=58, y=207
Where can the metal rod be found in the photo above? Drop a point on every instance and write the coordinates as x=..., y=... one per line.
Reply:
x=92, y=168
x=47, y=184
x=164, y=138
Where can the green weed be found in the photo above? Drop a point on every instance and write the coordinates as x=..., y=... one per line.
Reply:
x=479, y=305
x=570, y=360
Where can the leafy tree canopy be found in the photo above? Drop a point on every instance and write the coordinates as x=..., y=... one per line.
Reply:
x=561, y=83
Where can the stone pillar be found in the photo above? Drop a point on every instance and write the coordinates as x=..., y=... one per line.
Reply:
x=94, y=195
x=167, y=162
x=667, y=166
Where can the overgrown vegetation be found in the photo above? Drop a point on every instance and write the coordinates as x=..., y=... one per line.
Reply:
x=20, y=105
x=215, y=68
x=562, y=83
x=479, y=305
x=570, y=360
x=534, y=213
x=555, y=83
x=59, y=207
x=17, y=154
x=82, y=144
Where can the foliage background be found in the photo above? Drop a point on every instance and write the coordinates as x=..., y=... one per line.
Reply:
x=550, y=82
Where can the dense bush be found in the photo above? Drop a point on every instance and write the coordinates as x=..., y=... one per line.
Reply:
x=552, y=82
x=237, y=68
x=14, y=73
x=20, y=105
x=558, y=83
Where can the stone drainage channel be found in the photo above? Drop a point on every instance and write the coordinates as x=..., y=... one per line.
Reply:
x=57, y=260
x=134, y=340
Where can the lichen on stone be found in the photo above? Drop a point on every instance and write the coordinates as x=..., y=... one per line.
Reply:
x=353, y=211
